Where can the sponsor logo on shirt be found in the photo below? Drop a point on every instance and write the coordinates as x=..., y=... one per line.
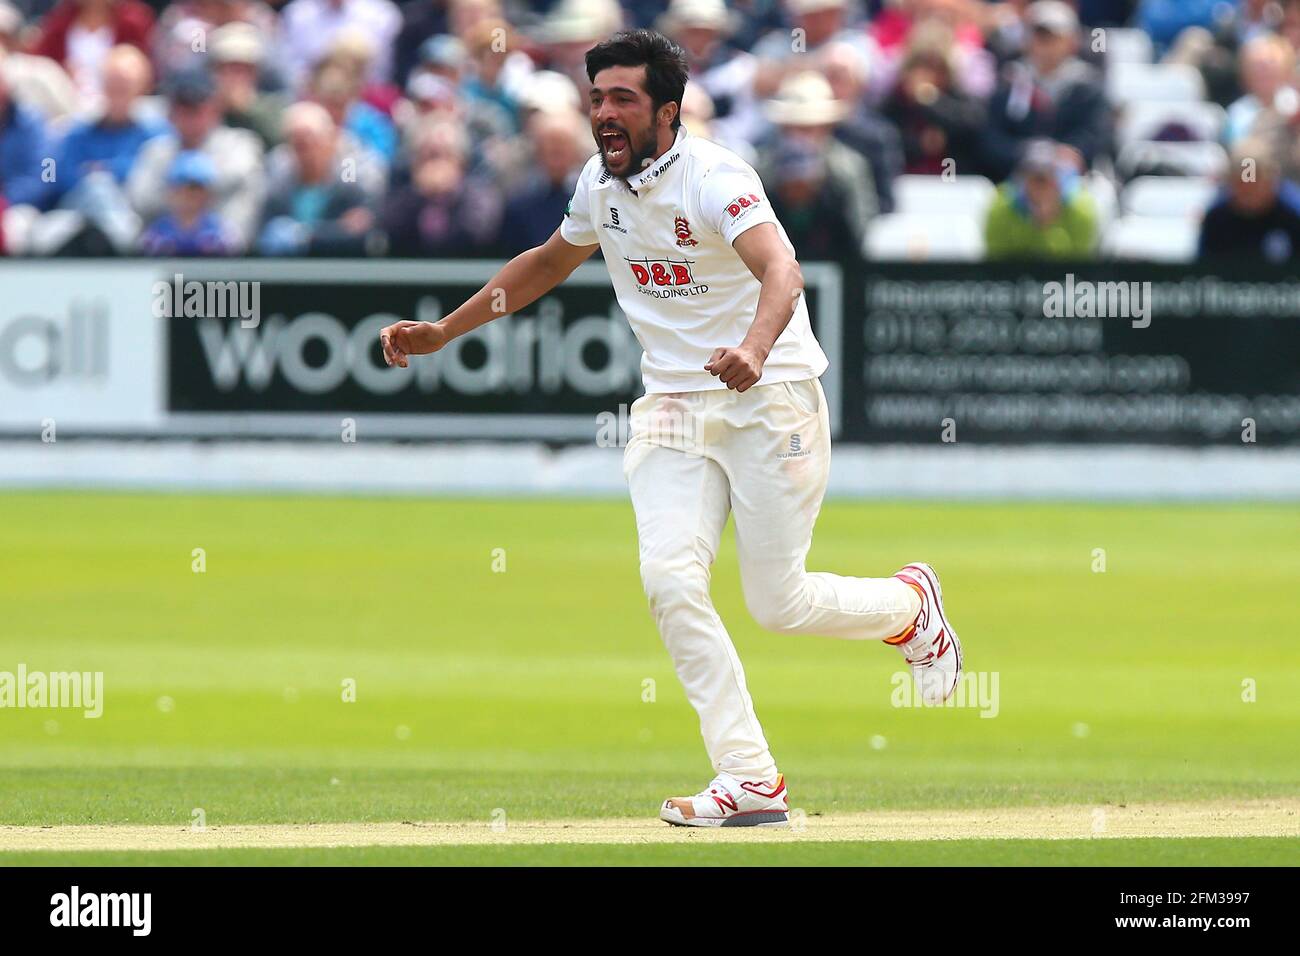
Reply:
x=742, y=203
x=665, y=278
x=682, y=230
x=613, y=221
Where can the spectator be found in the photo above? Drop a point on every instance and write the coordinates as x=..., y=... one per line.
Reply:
x=571, y=29
x=940, y=124
x=443, y=211
x=337, y=89
x=819, y=23
x=313, y=208
x=1051, y=94
x=236, y=155
x=806, y=112
x=1257, y=215
x=1267, y=69
x=971, y=64
x=37, y=81
x=183, y=22
x=421, y=19
x=355, y=54
x=863, y=128
x=237, y=53
x=807, y=204
x=1042, y=213
x=309, y=28
x=24, y=150
x=489, y=45
x=111, y=141
x=727, y=76
x=97, y=156
x=190, y=226
x=79, y=33
x=558, y=145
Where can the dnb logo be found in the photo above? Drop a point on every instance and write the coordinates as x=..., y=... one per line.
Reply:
x=665, y=278
x=741, y=203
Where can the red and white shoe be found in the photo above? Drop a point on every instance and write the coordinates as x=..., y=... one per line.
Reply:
x=728, y=802
x=930, y=645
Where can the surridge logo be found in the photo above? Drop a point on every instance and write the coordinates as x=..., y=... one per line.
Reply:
x=613, y=221
x=796, y=448
x=74, y=908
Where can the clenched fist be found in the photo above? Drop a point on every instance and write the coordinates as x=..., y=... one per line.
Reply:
x=738, y=367
x=411, y=338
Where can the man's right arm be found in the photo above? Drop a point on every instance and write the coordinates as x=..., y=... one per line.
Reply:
x=521, y=281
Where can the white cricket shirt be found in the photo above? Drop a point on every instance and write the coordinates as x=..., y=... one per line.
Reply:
x=666, y=235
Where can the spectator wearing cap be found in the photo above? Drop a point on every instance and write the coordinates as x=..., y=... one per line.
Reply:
x=190, y=226
x=444, y=210
x=819, y=22
x=338, y=90
x=36, y=81
x=558, y=144
x=940, y=124
x=1050, y=94
x=862, y=127
x=309, y=28
x=818, y=225
x=312, y=207
x=806, y=112
x=24, y=149
x=237, y=50
x=573, y=27
x=77, y=34
x=725, y=74
x=236, y=155
x=1256, y=217
x=183, y=23
x=1042, y=212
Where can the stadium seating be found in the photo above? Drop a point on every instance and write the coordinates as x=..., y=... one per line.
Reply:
x=925, y=236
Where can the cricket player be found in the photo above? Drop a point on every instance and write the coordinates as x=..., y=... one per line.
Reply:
x=733, y=419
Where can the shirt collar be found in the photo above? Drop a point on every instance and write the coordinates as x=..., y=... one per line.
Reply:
x=652, y=174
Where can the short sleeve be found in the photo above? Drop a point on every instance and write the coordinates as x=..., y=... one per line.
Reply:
x=732, y=200
x=576, y=227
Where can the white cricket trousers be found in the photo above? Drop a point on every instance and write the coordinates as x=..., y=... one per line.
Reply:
x=693, y=457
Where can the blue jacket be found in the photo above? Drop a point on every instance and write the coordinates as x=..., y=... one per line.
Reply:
x=94, y=143
x=24, y=147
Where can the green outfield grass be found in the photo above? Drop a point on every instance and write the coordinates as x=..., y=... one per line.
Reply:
x=524, y=689
x=1248, y=851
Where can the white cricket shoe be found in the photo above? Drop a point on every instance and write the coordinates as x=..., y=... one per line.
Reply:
x=932, y=648
x=728, y=802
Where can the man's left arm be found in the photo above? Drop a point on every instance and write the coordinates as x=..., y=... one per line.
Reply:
x=775, y=267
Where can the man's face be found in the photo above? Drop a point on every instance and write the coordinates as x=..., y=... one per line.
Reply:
x=623, y=120
x=194, y=121
x=1048, y=50
x=1255, y=196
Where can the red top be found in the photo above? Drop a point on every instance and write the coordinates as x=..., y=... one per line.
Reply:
x=132, y=23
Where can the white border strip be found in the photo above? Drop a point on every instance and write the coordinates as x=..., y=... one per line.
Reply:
x=1125, y=473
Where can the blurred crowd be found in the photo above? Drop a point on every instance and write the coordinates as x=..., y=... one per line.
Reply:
x=453, y=128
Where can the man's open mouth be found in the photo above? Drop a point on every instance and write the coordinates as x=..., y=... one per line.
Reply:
x=614, y=143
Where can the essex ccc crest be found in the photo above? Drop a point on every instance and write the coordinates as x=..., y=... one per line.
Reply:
x=682, y=230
